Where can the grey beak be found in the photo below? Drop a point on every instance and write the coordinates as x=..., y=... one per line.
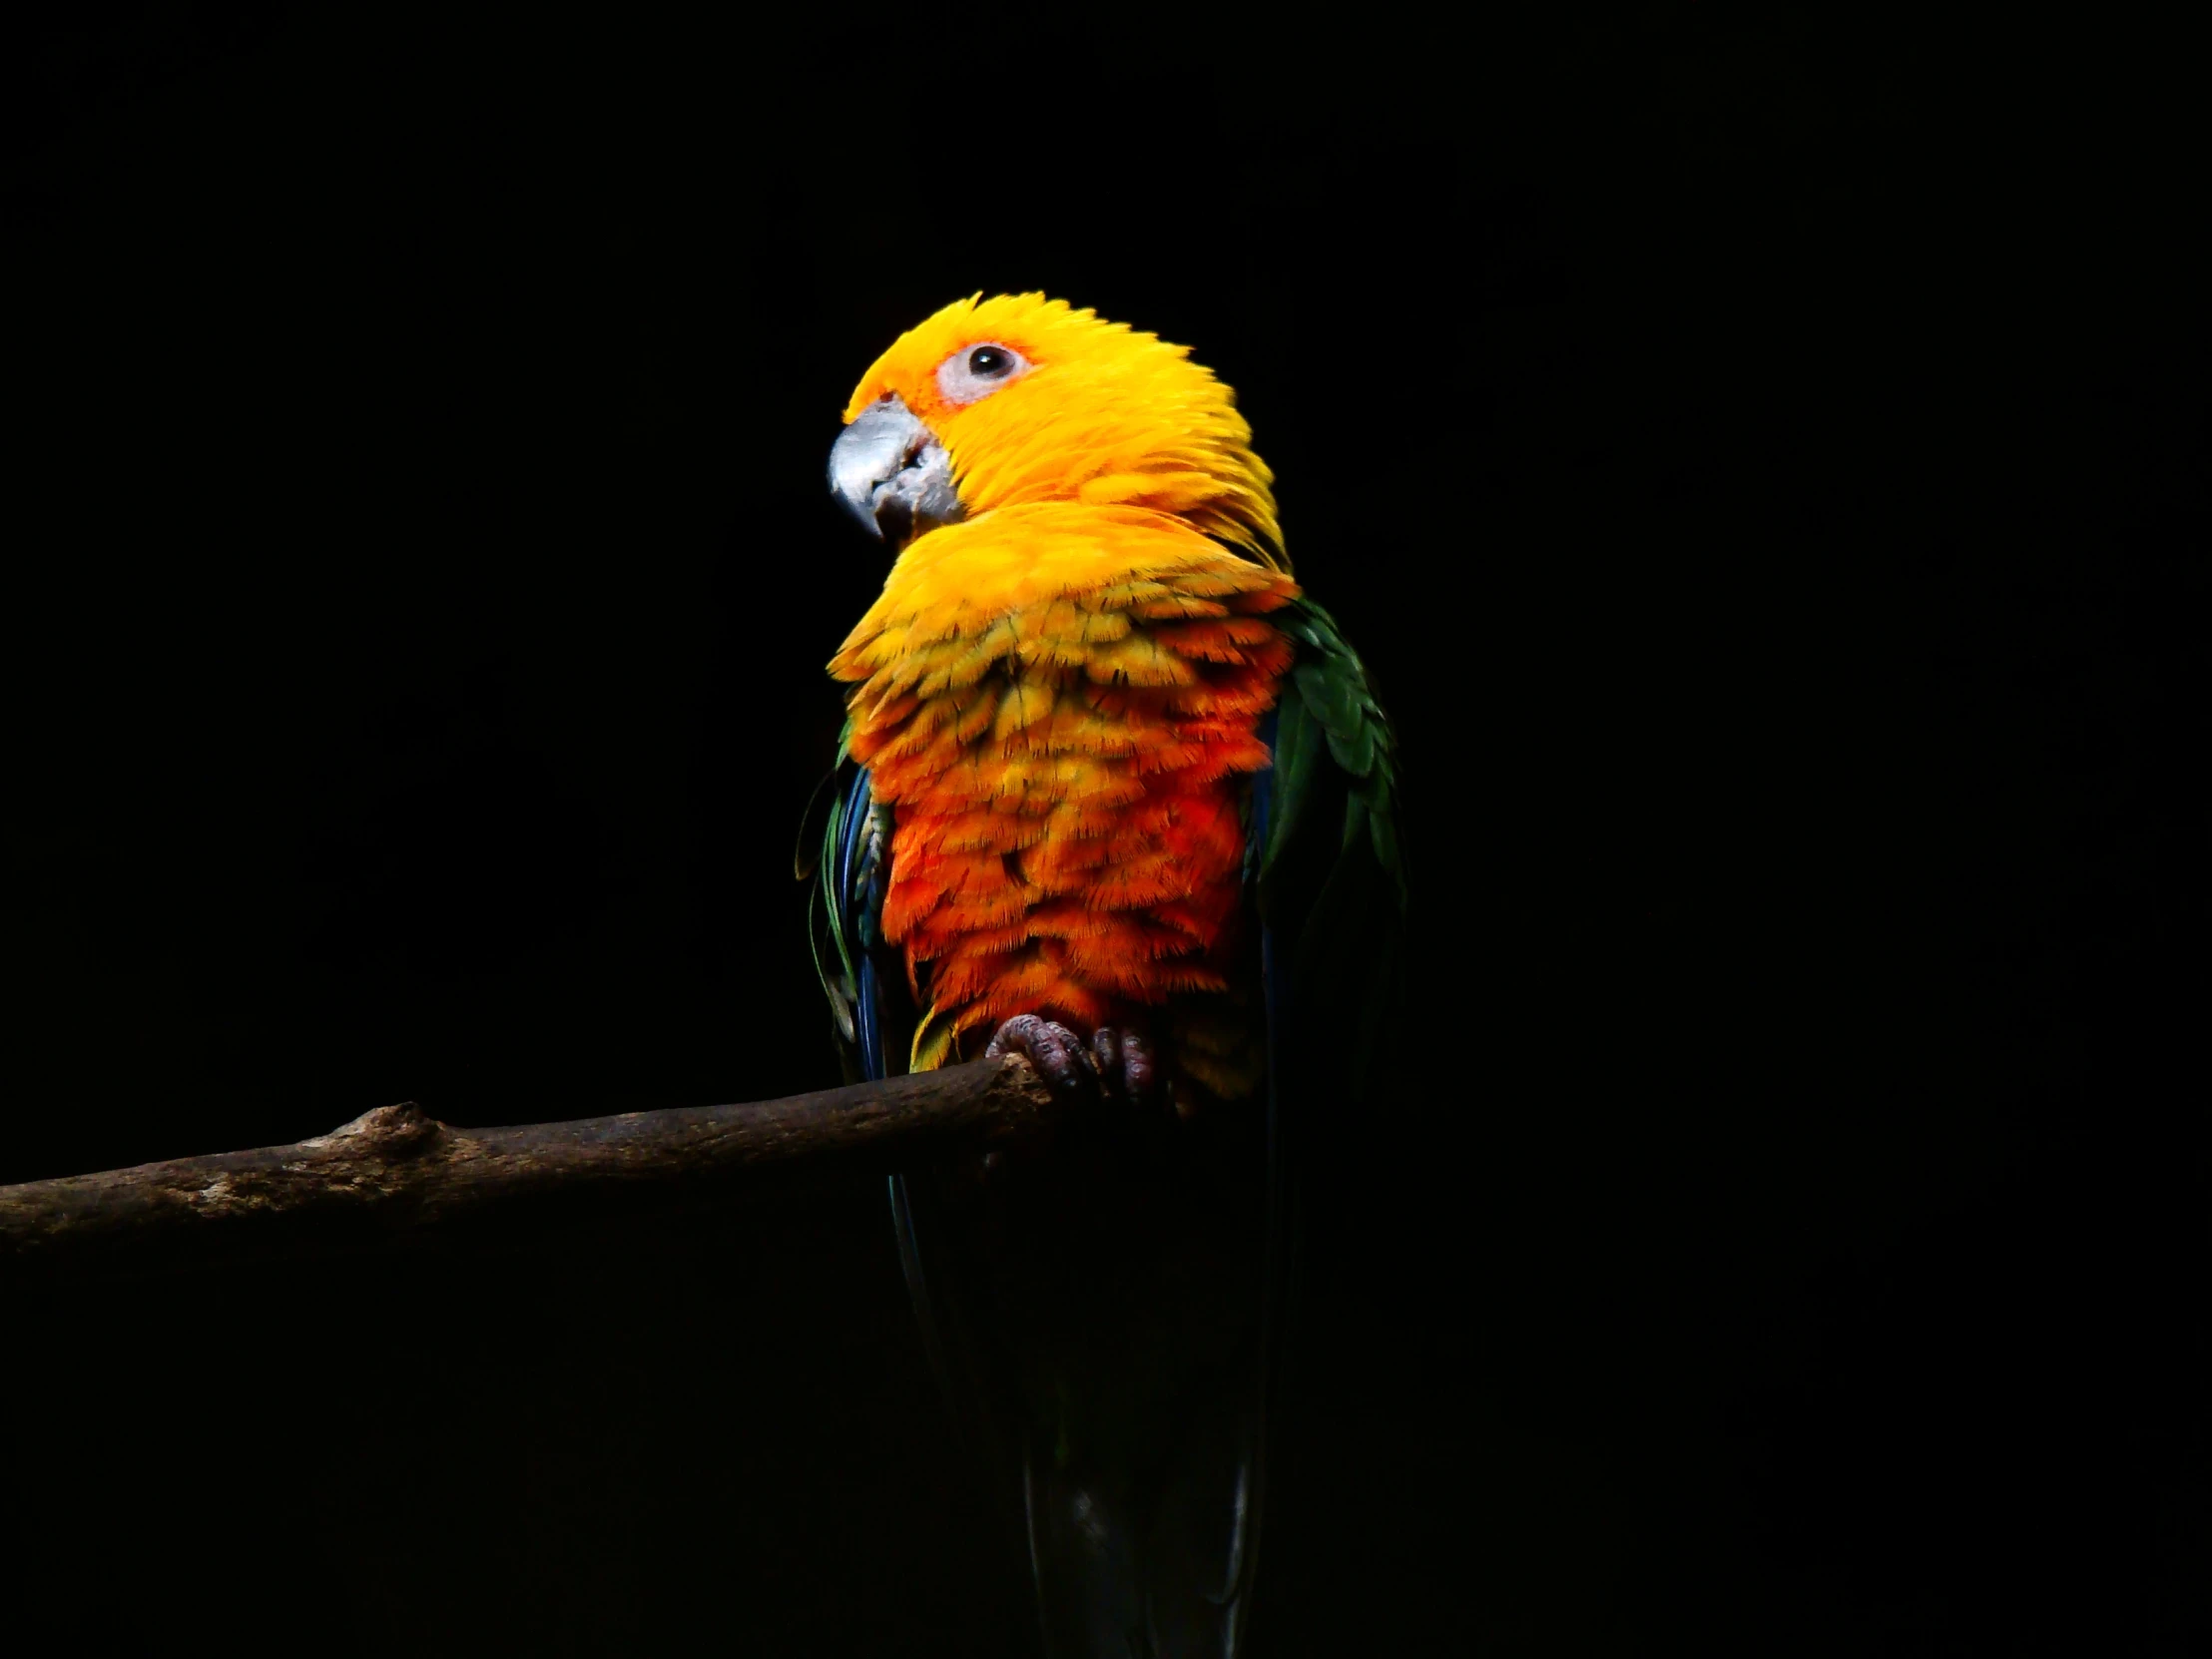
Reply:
x=893, y=474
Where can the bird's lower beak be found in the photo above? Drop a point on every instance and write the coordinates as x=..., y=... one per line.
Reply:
x=893, y=474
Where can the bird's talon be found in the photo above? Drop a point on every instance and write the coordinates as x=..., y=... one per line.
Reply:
x=1127, y=1069
x=1057, y=1053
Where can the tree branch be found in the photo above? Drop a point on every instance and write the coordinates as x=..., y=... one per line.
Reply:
x=396, y=1169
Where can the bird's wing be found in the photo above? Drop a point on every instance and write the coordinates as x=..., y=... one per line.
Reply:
x=1331, y=876
x=844, y=847
x=1165, y=1564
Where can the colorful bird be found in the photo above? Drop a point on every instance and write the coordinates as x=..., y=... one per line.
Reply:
x=1116, y=796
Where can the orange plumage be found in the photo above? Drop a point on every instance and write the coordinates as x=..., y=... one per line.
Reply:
x=1059, y=698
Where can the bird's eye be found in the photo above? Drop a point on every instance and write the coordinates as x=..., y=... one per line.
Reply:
x=977, y=371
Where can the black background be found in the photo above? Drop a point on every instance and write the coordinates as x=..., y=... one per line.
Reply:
x=1761, y=459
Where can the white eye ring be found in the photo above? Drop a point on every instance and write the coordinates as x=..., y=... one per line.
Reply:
x=975, y=371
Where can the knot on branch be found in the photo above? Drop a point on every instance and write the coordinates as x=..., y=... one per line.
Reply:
x=398, y=1131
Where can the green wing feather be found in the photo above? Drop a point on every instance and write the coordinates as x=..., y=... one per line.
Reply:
x=1333, y=885
x=842, y=854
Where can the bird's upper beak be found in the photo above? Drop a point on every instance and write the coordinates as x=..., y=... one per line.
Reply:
x=893, y=474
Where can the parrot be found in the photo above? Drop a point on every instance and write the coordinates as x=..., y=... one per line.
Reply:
x=1113, y=794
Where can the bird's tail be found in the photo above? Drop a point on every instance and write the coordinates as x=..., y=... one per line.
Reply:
x=1157, y=1570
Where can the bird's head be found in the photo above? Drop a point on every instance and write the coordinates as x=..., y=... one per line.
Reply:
x=1016, y=399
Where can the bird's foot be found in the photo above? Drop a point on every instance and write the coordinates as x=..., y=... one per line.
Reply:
x=1057, y=1053
x=1117, y=1063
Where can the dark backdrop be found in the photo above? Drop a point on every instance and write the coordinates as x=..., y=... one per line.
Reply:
x=1761, y=457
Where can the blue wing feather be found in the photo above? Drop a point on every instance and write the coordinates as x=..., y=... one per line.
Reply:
x=857, y=876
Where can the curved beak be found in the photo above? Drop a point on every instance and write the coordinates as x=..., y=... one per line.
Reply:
x=893, y=474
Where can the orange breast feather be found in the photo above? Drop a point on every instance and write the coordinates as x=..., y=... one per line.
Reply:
x=1059, y=702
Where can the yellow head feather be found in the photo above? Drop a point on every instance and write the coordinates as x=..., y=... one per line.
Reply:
x=1104, y=414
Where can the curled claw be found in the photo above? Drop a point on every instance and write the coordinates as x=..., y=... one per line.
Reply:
x=1056, y=1052
x=1124, y=1060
